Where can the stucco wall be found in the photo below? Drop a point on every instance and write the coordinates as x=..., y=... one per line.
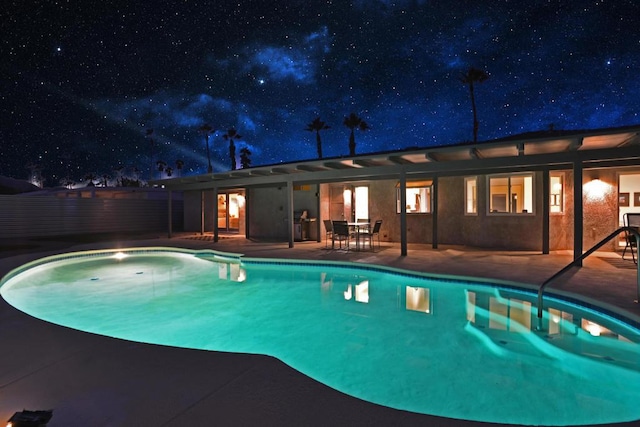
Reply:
x=600, y=204
x=503, y=231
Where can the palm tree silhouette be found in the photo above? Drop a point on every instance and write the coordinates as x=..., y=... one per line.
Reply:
x=245, y=160
x=162, y=166
x=206, y=131
x=232, y=135
x=179, y=166
x=473, y=75
x=353, y=122
x=316, y=126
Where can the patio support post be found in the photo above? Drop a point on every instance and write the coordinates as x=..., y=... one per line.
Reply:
x=201, y=212
x=169, y=213
x=247, y=215
x=290, y=211
x=434, y=215
x=216, y=235
x=318, y=219
x=578, y=212
x=403, y=213
x=546, y=198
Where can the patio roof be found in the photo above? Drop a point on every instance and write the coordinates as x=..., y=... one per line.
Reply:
x=536, y=150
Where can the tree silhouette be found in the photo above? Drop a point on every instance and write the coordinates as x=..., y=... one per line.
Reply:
x=90, y=178
x=245, y=160
x=232, y=135
x=473, y=75
x=316, y=126
x=352, y=122
x=179, y=166
x=207, y=130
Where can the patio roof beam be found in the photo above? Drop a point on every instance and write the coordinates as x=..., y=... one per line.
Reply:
x=575, y=144
x=627, y=155
x=475, y=153
x=399, y=160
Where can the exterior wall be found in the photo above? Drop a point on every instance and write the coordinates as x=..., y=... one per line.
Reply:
x=382, y=205
x=268, y=213
x=502, y=231
x=37, y=216
x=268, y=220
x=600, y=204
x=193, y=210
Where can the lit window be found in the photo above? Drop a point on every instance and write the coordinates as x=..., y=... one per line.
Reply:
x=511, y=193
x=418, y=197
x=555, y=194
x=470, y=192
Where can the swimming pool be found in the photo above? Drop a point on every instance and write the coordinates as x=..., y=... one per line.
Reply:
x=435, y=345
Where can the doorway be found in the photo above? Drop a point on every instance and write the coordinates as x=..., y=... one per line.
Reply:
x=229, y=206
x=348, y=202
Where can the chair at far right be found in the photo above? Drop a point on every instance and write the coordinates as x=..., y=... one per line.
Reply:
x=631, y=243
x=371, y=233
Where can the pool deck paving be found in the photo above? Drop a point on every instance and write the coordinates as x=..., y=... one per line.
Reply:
x=91, y=380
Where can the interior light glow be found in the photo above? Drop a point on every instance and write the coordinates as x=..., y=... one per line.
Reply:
x=241, y=201
x=362, y=291
x=120, y=255
x=593, y=328
x=348, y=293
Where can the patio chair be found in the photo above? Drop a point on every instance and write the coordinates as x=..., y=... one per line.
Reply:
x=341, y=233
x=328, y=232
x=631, y=243
x=375, y=231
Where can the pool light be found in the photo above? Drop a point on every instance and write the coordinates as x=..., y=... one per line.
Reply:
x=119, y=255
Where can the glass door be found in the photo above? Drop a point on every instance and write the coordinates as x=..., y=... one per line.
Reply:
x=229, y=211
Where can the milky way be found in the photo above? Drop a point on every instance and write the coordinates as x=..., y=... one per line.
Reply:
x=83, y=82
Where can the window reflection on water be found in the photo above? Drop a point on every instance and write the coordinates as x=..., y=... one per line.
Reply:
x=503, y=316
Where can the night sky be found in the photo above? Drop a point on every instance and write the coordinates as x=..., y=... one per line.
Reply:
x=83, y=81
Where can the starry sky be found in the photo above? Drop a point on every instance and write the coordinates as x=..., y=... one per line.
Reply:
x=82, y=82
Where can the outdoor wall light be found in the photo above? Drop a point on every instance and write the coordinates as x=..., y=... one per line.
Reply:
x=596, y=190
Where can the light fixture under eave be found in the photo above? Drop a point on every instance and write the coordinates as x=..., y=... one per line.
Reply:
x=596, y=190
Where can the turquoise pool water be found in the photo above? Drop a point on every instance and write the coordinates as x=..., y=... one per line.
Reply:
x=454, y=348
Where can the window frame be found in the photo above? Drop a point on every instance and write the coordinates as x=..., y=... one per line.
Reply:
x=474, y=198
x=426, y=198
x=560, y=194
x=509, y=200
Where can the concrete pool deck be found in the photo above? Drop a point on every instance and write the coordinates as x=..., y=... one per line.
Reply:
x=90, y=380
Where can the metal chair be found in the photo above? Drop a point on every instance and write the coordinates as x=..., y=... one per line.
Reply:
x=631, y=220
x=375, y=231
x=328, y=232
x=341, y=233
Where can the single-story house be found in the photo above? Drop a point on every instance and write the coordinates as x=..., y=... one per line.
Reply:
x=537, y=191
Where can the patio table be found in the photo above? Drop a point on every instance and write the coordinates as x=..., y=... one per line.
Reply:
x=357, y=226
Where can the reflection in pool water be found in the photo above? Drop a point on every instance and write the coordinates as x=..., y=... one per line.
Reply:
x=444, y=347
